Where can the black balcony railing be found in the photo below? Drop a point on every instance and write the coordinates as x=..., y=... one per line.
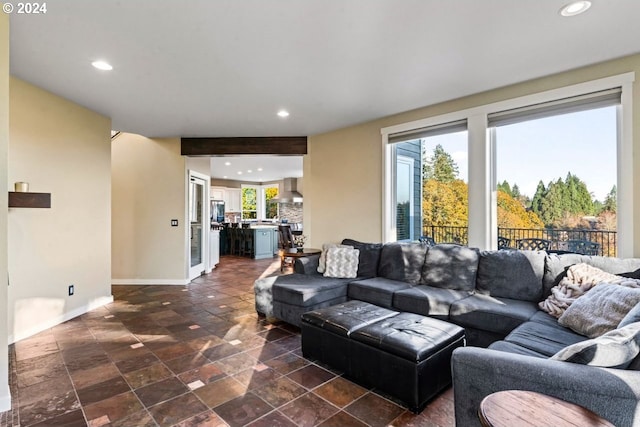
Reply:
x=592, y=242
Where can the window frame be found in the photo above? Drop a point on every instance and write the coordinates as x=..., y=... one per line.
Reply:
x=261, y=200
x=481, y=149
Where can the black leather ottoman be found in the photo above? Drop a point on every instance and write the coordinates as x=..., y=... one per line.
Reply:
x=403, y=354
x=325, y=331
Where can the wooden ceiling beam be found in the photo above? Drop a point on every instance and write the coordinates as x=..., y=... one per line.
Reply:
x=273, y=145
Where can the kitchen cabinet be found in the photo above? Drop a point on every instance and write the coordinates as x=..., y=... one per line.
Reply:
x=276, y=241
x=263, y=243
x=214, y=248
x=218, y=193
x=233, y=200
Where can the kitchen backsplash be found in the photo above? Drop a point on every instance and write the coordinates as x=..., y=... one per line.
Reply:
x=291, y=212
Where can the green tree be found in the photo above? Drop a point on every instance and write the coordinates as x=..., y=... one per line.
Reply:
x=440, y=166
x=505, y=187
x=611, y=201
x=536, y=202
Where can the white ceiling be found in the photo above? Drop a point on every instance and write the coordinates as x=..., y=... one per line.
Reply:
x=225, y=67
x=274, y=168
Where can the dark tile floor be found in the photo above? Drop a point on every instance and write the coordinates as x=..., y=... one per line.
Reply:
x=193, y=355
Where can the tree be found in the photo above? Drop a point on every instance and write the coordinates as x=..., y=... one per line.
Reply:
x=445, y=203
x=511, y=213
x=611, y=201
x=440, y=166
x=536, y=202
x=505, y=187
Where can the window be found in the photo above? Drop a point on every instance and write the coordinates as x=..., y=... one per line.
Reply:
x=430, y=183
x=249, y=202
x=556, y=180
x=496, y=154
x=257, y=203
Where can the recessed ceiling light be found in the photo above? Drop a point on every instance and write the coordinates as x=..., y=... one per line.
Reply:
x=225, y=177
x=283, y=113
x=101, y=65
x=249, y=171
x=227, y=163
x=575, y=8
x=239, y=172
x=259, y=169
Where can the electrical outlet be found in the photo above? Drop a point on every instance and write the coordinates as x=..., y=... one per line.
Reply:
x=71, y=289
x=174, y=222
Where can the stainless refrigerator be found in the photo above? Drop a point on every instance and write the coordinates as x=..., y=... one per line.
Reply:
x=217, y=210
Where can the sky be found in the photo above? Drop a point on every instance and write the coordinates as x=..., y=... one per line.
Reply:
x=583, y=143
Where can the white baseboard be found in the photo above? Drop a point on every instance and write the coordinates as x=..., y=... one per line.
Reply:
x=91, y=305
x=5, y=399
x=181, y=282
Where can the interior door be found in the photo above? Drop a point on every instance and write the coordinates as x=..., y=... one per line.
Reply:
x=197, y=225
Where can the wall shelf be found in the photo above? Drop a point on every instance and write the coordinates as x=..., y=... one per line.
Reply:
x=29, y=200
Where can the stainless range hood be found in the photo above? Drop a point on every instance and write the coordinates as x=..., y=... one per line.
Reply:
x=289, y=193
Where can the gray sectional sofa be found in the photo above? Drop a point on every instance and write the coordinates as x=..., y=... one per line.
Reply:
x=494, y=296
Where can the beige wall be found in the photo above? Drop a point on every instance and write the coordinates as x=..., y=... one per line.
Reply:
x=5, y=399
x=343, y=171
x=148, y=190
x=63, y=149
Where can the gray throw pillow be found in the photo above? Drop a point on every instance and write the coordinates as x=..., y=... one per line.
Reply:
x=632, y=316
x=600, y=310
x=451, y=267
x=615, y=349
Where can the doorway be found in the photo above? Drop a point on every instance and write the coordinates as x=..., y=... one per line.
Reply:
x=198, y=218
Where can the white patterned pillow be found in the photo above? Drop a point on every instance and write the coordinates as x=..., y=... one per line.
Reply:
x=322, y=262
x=342, y=263
x=615, y=349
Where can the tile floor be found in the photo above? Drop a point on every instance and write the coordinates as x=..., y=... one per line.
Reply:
x=193, y=355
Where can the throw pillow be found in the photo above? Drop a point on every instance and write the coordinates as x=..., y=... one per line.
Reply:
x=631, y=317
x=342, y=263
x=322, y=261
x=600, y=310
x=615, y=349
x=369, y=257
x=580, y=278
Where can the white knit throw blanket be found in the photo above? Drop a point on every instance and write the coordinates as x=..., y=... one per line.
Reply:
x=580, y=278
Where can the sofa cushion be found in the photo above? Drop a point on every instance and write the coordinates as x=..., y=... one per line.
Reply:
x=450, y=267
x=600, y=310
x=369, y=257
x=511, y=274
x=545, y=339
x=402, y=262
x=544, y=318
x=615, y=349
x=378, y=291
x=427, y=300
x=515, y=349
x=342, y=263
x=493, y=314
x=308, y=289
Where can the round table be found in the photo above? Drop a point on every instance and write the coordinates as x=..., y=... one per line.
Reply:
x=295, y=253
x=528, y=409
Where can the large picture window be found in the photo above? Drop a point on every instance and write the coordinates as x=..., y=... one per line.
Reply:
x=553, y=166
